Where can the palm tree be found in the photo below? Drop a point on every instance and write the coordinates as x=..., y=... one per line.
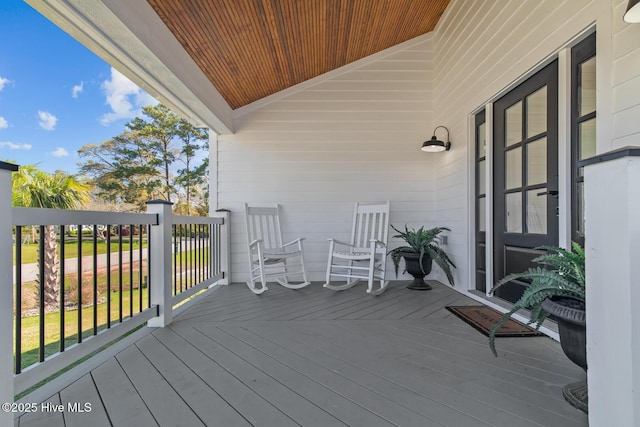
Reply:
x=33, y=188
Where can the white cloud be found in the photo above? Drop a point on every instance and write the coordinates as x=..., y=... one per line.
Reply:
x=47, y=120
x=77, y=89
x=3, y=123
x=13, y=146
x=3, y=82
x=124, y=97
x=59, y=152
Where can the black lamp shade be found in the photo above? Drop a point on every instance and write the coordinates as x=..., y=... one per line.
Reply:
x=632, y=15
x=433, y=145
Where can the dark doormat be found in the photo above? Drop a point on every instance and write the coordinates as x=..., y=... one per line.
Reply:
x=482, y=318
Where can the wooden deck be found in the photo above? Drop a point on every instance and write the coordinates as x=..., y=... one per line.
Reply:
x=316, y=357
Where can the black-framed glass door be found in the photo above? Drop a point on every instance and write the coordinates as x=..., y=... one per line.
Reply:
x=525, y=187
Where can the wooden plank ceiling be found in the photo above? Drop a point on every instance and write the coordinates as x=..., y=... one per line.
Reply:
x=250, y=49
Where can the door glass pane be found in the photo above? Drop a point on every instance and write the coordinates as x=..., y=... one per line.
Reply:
x=513, y=202
x=482, y=141
x=482, y=219
x=587, y=87
x=537, y=162
x=513, y=173
x=587, y=135
x=481, y=177
x=513, y=124
x=537, y=112
x=537, y=211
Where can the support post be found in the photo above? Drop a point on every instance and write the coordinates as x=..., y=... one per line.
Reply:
x=160, y=260
x=225, y=246
x=6, y=298
x=612, y=246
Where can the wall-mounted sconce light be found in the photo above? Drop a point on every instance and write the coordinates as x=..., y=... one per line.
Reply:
x=632, y=15
x=434, y=144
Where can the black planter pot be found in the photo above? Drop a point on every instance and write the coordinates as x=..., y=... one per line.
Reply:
x=412, y=266
x=572, y=329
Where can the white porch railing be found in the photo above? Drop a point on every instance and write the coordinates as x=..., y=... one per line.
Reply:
x=150, y=265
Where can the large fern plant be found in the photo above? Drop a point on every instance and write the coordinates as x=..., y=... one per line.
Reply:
x=423, y=242
x=564, y=277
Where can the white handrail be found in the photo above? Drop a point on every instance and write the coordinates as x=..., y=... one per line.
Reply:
x=43, y=216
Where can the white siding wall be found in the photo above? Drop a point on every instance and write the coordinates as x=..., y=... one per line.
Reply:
x=354, y=134
x=480, y=50
x=625, y=79
x=351, y=135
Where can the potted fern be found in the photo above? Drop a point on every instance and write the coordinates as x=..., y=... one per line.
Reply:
x=421, y=250
x=558, y=290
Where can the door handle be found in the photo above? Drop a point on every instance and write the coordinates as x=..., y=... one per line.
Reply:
x=549, y=192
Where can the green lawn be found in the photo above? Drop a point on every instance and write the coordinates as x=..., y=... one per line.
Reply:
x=30, y=251
x=31, y=325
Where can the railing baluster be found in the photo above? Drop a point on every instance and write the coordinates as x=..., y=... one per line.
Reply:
x=18, y=268
x=181, y=257
x=108, y=276
x=184, y=245
x=203, y=273
x=198, y=246
x=79, y=289
x=219, y=248
x=174, y=232
x=120, y=273
x=42, y=280
x=95, y=279
x=191, y=243
x=140, y=264
x=130, y=270
x=148, y=265
x=62, y=275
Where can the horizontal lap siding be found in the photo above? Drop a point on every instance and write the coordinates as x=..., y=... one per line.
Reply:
x=479, y=51
x=352, y=136
x=625, y=78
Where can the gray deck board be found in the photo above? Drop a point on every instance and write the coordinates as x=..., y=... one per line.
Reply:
x=367, y=353
x=40, y=418
x=252, y=407
x=269, y=388
x=299, y=376
x=120, y=398
x=202, y=399
x=167, y=407
x=80, y=393
x=317, y=357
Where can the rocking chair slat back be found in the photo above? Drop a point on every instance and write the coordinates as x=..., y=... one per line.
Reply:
x=263, y=222
x=370, y=221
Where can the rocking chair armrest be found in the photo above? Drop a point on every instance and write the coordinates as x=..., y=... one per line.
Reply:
x=298, y=240
x=255, y=243
x=339, y=242
x=378, y=242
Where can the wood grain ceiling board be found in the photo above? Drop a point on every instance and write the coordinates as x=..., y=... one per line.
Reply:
x=250, y=49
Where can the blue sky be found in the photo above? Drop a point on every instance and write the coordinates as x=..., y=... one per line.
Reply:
x=55, y=94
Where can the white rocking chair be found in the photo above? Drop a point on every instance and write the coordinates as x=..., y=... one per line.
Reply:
x=268, y=256
x=365, y=257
